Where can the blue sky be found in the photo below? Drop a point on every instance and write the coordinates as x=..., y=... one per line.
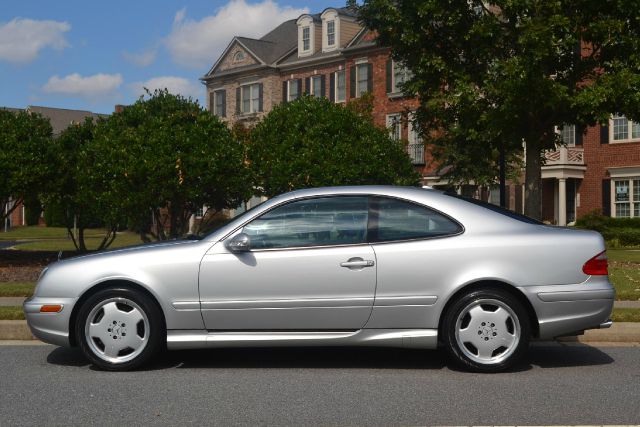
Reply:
x=93, y=55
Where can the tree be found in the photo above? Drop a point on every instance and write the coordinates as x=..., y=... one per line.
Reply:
x=71, y=192
x=491, y=75
x=24, y=166
x=313, y=142
x=160, y=160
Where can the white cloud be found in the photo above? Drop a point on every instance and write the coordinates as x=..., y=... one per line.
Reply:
x=198, y=44
x=175, y=85
x=94, y=86
x=22, y=39
x=141, y=59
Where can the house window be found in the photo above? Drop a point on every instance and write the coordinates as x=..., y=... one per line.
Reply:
x=331, y=33
x=622, y=198
x=306, y=39
x=399, y=76
x=219, y=103
x=568, y=135
x=316, y=86
x=239, y=56
x=293, y=90
x=250, y=95
x=395, y=126
x=415, y=148
x=624, y=129
x=340, y=86
x=200, y=212
x=362, y=78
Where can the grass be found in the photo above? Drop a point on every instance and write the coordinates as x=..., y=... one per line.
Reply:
x=124, y=238
x=626, y=280
x=11, y=313
x=34, y=232
x=626, y=315
x=624, y=255
x=17, y=289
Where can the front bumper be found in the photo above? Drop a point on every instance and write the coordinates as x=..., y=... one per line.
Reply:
x=571, y=309
x=52, y=328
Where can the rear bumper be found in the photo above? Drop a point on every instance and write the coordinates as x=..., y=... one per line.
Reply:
x=571, y=309
x=52, y=328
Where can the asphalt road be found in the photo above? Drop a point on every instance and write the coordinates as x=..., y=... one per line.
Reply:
x=45, y=385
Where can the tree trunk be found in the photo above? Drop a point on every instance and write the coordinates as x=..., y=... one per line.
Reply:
x=81, y=242
x=533, y=180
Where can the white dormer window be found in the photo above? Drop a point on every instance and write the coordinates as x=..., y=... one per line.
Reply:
x=306, y=39
x=331, y=33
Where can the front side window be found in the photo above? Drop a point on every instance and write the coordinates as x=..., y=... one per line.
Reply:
x=331, y=33
x=341, y=86
x=306, y=39
x=622, y=198
x=313, y=222
x=568, y=135
x=362, y=77
x=316, y=86
x=400, y=76
x=401, y=220
x=624, y=129
x=219, y=103
x=395, y=126
x=294, y=93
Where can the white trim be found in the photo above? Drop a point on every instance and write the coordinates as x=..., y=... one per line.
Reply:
x=335, y=87
x=629, y=131
x=631, y=202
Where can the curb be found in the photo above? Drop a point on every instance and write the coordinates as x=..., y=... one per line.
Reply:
x=620, y=332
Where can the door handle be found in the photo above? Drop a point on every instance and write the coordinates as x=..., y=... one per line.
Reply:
x=357, y=263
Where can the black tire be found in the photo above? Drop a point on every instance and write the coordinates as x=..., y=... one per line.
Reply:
x=465, y=357
x=155, y=336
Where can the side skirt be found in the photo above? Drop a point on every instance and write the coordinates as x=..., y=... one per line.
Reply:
x=407, y=338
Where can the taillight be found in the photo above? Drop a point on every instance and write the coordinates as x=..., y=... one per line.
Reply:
x=597, y=266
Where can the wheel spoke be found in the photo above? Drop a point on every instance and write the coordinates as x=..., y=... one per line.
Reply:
x=485, y=350
x=468, y=335
x=477, y=312
x=98, y=330
x=111, y=348
x=133, y=341
x=133, y=317
x=501, y=315
x=111, y=311
x=506, y=339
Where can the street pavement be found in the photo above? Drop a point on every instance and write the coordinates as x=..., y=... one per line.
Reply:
x=560, y=384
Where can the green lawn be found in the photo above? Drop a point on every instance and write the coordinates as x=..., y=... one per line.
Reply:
x=626, y=280
x=626, y=315
x=124, y=238
x=11, y=313
x=16, y=289
x=36, y=232
x=624, y=255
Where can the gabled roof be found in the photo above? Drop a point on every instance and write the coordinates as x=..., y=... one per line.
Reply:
x=61, y=118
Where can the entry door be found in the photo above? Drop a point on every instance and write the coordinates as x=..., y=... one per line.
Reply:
x=309, y=268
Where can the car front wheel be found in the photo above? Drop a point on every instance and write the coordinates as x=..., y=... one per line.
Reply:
x=119, y=329
x=487, y=330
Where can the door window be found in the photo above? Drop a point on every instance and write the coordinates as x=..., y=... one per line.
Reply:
x=312, y=222
x=400, y=220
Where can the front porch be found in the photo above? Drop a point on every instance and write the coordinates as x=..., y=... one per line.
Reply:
x=562, y=175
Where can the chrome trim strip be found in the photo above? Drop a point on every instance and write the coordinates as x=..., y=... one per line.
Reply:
x=286, y=303
x=411, y=338
x=576, y=295
x=386, y=301
x=186, y=305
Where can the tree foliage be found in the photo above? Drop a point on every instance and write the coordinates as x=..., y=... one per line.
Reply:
x=492, y=74
x=71, y=194
x=24, y=165
x=313, y=142
x=162, y=158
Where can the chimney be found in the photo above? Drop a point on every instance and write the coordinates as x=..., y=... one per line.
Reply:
x=119, y=108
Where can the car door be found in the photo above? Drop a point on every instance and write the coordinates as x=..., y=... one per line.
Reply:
x=309, y=267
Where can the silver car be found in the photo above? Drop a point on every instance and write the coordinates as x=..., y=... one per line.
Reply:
x=372, y=266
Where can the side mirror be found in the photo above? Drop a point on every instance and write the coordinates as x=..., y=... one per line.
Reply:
x=239, y=243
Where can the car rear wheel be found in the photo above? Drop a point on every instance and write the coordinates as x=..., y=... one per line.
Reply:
x=487, y=330
x=119, y=329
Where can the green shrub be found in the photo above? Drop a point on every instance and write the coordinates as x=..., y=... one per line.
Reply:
x=54, y=215
x=618, y=232
x=32, y=211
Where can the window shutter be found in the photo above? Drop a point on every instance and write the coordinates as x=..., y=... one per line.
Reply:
x=299, y=83
x=322, y=86
x=606, y=197
x=370, y=78
x=604, y=134
x=260, y=97
x=352, y=82
x=332, y=87
x=579, y=134
x=223, y=113
x=238, y=100
x=307, y=83
x=389, y=76
x=285, y=94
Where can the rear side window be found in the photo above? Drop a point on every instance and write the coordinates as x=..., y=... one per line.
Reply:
x=393, y=219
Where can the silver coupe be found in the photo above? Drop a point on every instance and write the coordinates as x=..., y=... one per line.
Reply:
x=371, y=265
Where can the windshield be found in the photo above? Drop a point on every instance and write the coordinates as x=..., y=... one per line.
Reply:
x=497, y=209
x=207, y=232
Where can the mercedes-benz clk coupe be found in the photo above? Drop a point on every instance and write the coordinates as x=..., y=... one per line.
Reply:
x=343, y=266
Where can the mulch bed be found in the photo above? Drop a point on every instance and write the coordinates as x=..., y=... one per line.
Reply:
x=25, y=266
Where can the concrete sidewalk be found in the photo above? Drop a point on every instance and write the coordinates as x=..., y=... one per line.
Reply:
x=620, y=332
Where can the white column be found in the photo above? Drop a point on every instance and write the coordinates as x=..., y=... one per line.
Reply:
x=562, y=201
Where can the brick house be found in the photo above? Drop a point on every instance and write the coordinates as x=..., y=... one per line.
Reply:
x=60, y=119
x=329, y=54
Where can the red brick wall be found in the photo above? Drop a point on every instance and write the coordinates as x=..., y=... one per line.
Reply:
x=598, y=157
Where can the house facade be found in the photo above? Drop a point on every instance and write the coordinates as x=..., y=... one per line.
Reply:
x=329, y=54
